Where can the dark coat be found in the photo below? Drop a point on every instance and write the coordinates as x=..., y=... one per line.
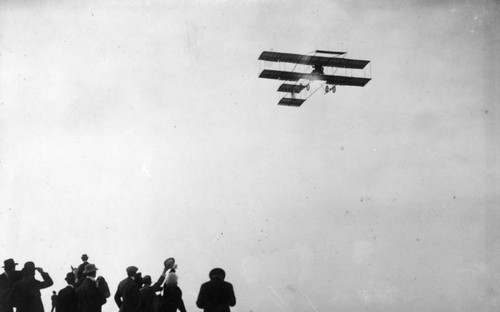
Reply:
x=67, y=300
x=80, y=277
x=128, y=297
x=6, y=283
x=172, y=299
x=216, y=296
x=90, y=297
x=25, y=294
x=149, y=297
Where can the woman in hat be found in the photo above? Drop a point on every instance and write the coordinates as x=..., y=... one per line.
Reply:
x=172, y=295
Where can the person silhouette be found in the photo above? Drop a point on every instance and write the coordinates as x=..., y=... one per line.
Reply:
x=53, y=300
x=25, y=294
x=172, y=295
x=91, y=297
x=128, y=296
x=67, y=299
x=216, y=295
x=7, y=280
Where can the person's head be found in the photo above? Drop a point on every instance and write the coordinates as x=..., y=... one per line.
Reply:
x=171, y=279
x=138, y=279
x=9, y=265
x=53, y=292
x=70, y=278
x=217, y=273
x=132, y=271
x=85, y=257
x=29, y=269
x=90, y=270
x=146, y=280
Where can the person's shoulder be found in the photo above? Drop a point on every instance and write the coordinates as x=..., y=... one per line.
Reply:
x=85, y=283
x=128, y=282
x=227, y=284
x=63, y=291
x=207, y=283
x=17, y=273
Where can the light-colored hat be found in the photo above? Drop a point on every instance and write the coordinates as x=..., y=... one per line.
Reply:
x=171, y=279
x=89, y=268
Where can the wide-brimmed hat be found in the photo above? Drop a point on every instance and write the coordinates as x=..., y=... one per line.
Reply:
x=9, y=263
x=169, y=263
x=89, y=268
x=217, y=272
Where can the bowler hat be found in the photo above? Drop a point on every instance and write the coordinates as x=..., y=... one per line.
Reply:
x=89, y=268
x=9, y=263
x=29, y=267
x=85, y=257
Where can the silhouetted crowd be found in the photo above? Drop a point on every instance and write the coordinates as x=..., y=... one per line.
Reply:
x=87, y=292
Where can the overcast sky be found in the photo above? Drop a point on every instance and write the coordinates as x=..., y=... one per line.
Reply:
x=134, y=131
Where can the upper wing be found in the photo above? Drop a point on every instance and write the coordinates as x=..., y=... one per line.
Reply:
x=312, y=60
x=330, y=79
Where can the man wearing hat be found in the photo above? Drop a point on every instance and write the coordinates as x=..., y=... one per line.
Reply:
x=80, y=275
x=216, y=295
x=67, y=297
x=7, y=280
x=127, y=296
x=25, y=294
x=90, y=296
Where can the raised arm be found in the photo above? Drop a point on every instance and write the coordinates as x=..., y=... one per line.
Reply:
x=47, y=281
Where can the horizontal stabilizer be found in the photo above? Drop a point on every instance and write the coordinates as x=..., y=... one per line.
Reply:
x=291, y=102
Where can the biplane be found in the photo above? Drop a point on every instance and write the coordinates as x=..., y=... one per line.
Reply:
x=320, y=67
